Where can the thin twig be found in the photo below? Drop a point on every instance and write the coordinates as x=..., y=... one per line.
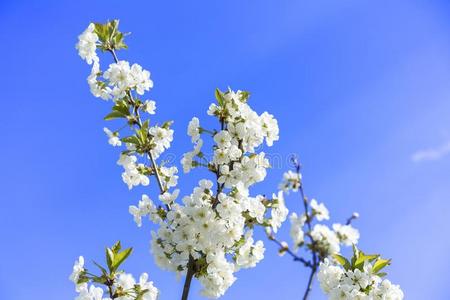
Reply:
x=315, y=259
x=291, y=253
x=310, y=281
x=353, y=217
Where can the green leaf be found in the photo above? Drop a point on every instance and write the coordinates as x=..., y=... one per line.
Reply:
x=355, y=254
x=99, y=279
x=382, y=274
x=121, y=107
x=120, y=257
x=359, y=263
x=145, y=126
x=244, y=96
x=167, y=124
x=131, y=139
x=219, y=97
x=116, y=247
x=110, y=36
x=102, y=32
x=114, y=115
x=380, y=264
x=141, y=135
x=109, y=258
x=113, y=27
x=342, y=260
x=82, y=279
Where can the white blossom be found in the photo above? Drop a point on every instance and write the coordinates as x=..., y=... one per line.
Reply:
x=98, y=88
x=162, y=137
x=355, y=284
x=122, y=77
x=90, y=293
x=168, y=176
x=319, y=210
x=87, y=44
x=291, y=181
x=223, y=139
x=329, y=275
x=279, y=213
x=270, y=127
x=188, y=158
x=78, y=268
x=194, y=129
x=325, y=239
x=346, y=234
x=113, y=137
x=152, y=292
x=149, y=107
x=144, y=208
x=140, y=79
x=250, y=253
x=296, y=231
x=169, y=198
x=132, y=176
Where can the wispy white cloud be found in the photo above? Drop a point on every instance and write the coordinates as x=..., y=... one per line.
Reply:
x=431, y=153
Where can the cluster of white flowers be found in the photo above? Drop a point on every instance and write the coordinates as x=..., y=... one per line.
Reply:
x=121, y=77
x=346, y=234
x=125, y=286
x=325, y=241
x=133, y=174
x=356, y=284
x=213, y=228
x=206, y=232
x=113, y=138
x=279, y=212
x=291, y=181
x=162, y=137
x=87, y=45
x=117, y=83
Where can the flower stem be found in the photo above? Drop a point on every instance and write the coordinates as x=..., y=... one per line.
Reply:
x=187, y=281
x=310, y=281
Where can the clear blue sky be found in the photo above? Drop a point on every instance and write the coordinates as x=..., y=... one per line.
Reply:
x=358, y=87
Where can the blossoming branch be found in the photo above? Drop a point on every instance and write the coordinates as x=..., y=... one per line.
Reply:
x=359, y=280
x=209, y=233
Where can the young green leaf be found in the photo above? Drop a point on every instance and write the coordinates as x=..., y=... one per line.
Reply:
x=116, y=247
x=167, y=124
x=114, y=115
x=109, y=258
x=219, y=97
x=359, y=263
x=131, y=140
x=121, y=107
x=342, y=260
x=145, y=126
x=380, y=264
x=120, y=257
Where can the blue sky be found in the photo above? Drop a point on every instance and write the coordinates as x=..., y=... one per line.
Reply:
x=358, y=87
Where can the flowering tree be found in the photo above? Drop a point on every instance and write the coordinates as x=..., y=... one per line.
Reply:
x=209, y=233
x=339, y=278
